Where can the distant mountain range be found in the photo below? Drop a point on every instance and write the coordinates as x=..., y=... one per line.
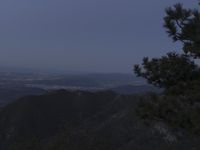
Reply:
x=9, y=94
x=136, y=89
x=22, y=84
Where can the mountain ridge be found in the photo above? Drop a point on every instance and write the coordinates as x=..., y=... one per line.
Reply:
x=77, y=120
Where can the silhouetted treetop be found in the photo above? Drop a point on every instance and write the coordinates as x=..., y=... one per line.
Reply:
x=167, y=71
x=181, y=25
x=184, y=25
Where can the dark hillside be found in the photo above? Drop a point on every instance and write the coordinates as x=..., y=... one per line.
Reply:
x=44, y=115
x=81, y=120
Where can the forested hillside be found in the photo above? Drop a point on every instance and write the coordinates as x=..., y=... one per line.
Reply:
x=83, y=120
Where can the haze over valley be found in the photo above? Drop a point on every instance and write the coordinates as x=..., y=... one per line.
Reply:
x=29, y=83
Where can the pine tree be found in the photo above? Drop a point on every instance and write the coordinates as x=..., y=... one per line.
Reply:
x=182, y=25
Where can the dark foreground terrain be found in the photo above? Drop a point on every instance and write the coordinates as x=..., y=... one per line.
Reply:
x=63, y=120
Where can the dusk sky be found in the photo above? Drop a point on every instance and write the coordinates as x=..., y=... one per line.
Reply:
x=83, y=35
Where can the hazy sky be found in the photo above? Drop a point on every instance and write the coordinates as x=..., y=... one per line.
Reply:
x=82, y=35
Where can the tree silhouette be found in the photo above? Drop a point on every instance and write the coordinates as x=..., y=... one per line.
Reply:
x=184, y=25
x=181, y=25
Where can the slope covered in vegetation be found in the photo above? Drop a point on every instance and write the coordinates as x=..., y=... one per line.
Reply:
x=83, y=120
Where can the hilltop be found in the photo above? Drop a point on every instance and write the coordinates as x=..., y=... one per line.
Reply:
x=81, y=120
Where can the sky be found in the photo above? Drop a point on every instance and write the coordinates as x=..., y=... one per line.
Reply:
x=83, y=35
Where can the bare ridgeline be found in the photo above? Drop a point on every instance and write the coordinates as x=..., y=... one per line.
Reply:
x=99, y=119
